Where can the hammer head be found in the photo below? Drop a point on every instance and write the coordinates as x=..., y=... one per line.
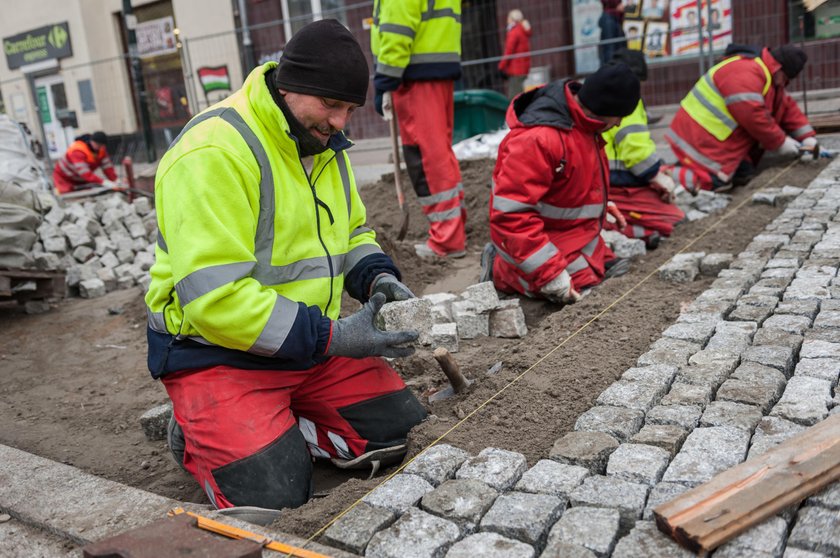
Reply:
x=812, y=152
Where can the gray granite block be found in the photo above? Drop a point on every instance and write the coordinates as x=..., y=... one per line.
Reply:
x=780, y=358
x=827, y=319
x=483, y=297
x=817, y=529
x=699, y=332
x=154, y=422
x=829, y=497
x=415, y=314
x=661, y=493
x=462, y=501
x=589, y=450
x=789, y=323
x=705, y=453
x=638, y=463
x=799, y=307
x=778, y=338
x=768, y=537
x=753, y=384
x=819, y=349
x=770, y=432
x=499, y=468
x=445, y=336
x=715, y=358
x=791, y=552
x=557, y=549
x=805, y=400
x=712, y=264
x=729, y=413
x=665, y=436
x=659, y=374
x=470, y=323
x=353, y=531
x=823, y=368
x=746, y=313
x=490, y=545
x=524, y=517
x=508, y=323
x=416, y=534
x=712, y=375
x=685, y=416
x=679, y=272
x=826, y=335
x=688, y=394
x=618, y=422
x=669, y=351
x=645, y=541
x=399, y=493
x=632, y=395
x=550, y=477
x=438, y=463
x=610, y=492
x=594, y=528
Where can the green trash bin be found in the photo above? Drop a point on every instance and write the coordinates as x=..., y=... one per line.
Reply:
x=478, y=111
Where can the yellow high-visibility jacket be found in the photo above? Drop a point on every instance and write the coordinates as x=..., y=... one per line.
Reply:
x=631, y=151
x=253, y=252
x=415, y=40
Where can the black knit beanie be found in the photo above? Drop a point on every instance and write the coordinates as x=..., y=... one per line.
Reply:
x=792, y=58
x=325, y=60
x=614, y=90
x=99, y=137
x=635, y=59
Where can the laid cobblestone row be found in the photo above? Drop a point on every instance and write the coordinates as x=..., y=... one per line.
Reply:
x=752, y=361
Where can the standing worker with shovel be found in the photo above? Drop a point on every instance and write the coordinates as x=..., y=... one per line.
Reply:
x=416, y=46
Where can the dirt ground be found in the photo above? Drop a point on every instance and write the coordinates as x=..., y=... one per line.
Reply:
x=73, y=382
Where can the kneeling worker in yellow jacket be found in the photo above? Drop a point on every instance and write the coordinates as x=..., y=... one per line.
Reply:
x=261, y=228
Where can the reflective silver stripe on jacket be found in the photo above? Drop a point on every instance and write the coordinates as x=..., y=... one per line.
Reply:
x=161, y=243
x=724, y=119
x=397, y=29
x=638, y=232
x=627, y=130
x=357, y=254
x=207, y=279
x=388, y=70
x=345, y=179
x=156, y=321
x=739, y=97
x=691, y=152
x=639, y=168
x=799, y=132
x=446, y=195
x=580, y=263
x=431, y=57
x=360, y=230
x=534, y=261
x=432, y=13
x=277, y=328
x=588, y=211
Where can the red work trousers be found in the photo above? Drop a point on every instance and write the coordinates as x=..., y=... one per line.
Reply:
x=645, y=211
x=247, y=431
x=425, y=112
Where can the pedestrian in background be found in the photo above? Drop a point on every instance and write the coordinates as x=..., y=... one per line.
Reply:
x=517, y=41
x=610, y=23
x=416, y=46
x=76, y=169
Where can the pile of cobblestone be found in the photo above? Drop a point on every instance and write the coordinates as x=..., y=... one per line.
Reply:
x=701, y=205
x=103, y=245
x=752, y=361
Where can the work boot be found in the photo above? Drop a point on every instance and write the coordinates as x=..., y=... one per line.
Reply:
x=373, y=459
x=652, y=241
x=616, y=267
x=176, y=442
x=488, y=257
x=425, y=252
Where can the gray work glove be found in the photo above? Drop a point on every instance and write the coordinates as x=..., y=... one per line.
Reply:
x=393, y=290
x=357, y=336
x=560, y=290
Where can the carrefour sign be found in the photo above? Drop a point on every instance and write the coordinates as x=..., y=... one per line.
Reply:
x=44, y=43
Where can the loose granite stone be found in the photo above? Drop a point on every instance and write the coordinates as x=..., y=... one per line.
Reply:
x=729, y=413
x=399, y=493
x=550, y=477
x=610, y=492
x=768, y=537
x=618, y=422
x=632, y=395
x=416, y=534
x=805, y=400
x=685, y=416
x=665, y=436
x=592, y=528
x=638, y=463
x=589, y=450
x=438, y=463
x=499, y=468
x=490, y=545
x=770, y=432
x=353, y=530
x=462, y=501
x=688, y=394
x=661, y=493
x=705, y=453
x=660, y=374
x=524, y=517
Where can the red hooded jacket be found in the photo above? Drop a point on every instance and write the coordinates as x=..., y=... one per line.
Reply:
x=550, y=189
x=517, y=42
x=765, y=123
x=77, y=167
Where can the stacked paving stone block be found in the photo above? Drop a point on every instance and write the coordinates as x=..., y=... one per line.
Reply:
x=751, y=362
x=103, y=245
x=701, y=205
x=686, y=267
x=443, y=319
x=622, y=246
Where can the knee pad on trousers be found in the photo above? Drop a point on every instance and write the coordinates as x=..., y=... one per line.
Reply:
x=278, y=476
x=385, y=421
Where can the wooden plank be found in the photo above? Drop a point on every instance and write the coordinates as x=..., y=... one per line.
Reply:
x=736, y=499
x=826, y=123
x=5, y=286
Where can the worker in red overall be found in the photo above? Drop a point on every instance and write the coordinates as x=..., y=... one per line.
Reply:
x=76, y=169
x=549, y=200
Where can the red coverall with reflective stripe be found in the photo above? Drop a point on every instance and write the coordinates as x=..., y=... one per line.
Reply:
x=550, y=188
x=77, y=167
x=760, y=124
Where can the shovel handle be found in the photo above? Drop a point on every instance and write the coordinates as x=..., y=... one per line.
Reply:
x=395, y=152
x=451, y=369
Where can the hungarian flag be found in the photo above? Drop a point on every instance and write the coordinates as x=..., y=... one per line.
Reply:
x=214, y=78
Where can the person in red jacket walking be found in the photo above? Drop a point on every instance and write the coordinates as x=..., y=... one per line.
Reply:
x=735, y=113
x=518, y=41
x=76, y=170
x=550, y=188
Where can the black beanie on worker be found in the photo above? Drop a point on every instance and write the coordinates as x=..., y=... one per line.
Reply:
x=792, y=58
x=614, y=90
x=634, y=59
x=325, y=60
x=99, y=137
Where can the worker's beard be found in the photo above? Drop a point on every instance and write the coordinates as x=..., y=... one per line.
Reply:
x=307, y=143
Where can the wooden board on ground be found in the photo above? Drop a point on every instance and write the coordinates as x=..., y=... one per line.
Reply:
x=707, y=516
x=826, y=123
x=30, y=284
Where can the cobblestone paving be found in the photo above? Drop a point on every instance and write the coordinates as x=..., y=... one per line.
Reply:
x=752, y=361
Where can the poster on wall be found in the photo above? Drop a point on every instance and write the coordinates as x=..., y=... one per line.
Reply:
x=647, y=27
x=585, y=14
x=685, y=19
x=156, y=37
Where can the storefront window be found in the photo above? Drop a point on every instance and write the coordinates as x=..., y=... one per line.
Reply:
x=814, y=19
x=298, y=10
